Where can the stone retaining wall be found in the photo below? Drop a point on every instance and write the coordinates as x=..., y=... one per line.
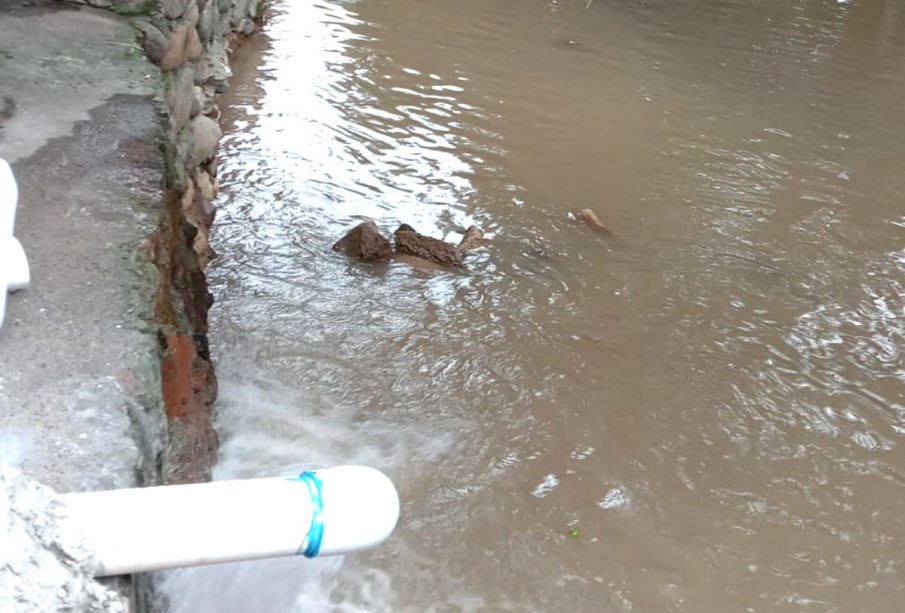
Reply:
x=189, y=40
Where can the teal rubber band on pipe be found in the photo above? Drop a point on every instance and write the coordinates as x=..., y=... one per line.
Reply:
x=312, y=544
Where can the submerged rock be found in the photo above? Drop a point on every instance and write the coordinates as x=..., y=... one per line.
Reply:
x=365, y=242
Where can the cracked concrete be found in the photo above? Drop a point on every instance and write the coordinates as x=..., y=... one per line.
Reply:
x=78, y=365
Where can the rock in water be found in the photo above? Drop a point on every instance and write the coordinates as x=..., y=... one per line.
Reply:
x=590, y=217
x=472, y=239
x=410, y=242
x=365, y=242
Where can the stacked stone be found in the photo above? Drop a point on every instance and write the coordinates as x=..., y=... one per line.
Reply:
x=190, y=79
x=189, y=41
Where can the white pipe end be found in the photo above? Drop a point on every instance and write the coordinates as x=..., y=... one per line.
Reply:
x=9, y=195
x=14, y=273
x=361, y=508
x=14, y=266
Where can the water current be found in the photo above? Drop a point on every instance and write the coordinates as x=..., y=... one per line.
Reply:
x=703, y=412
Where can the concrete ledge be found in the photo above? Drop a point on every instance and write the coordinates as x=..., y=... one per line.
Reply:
x=77, y=361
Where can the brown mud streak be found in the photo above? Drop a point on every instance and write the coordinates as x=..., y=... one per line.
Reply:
x=187, y=375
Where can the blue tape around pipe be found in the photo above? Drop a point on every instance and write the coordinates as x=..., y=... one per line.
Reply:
x=312, y=544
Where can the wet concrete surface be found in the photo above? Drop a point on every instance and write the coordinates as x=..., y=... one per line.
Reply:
x=58, y=63
x=76, y=359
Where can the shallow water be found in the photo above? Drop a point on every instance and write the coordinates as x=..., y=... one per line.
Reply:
x=714, y=398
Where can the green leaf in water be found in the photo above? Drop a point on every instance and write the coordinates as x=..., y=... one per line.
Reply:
x=574, y=532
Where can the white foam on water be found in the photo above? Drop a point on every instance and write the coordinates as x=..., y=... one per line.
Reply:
x=286, y=584
x=615, y=498
x=272, y=429
x=546, y=486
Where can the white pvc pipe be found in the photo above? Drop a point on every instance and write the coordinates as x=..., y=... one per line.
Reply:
x=15, y=265
x=324, y=512
x=14, y=272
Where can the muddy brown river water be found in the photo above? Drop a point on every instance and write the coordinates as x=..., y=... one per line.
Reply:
x=713, y=399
